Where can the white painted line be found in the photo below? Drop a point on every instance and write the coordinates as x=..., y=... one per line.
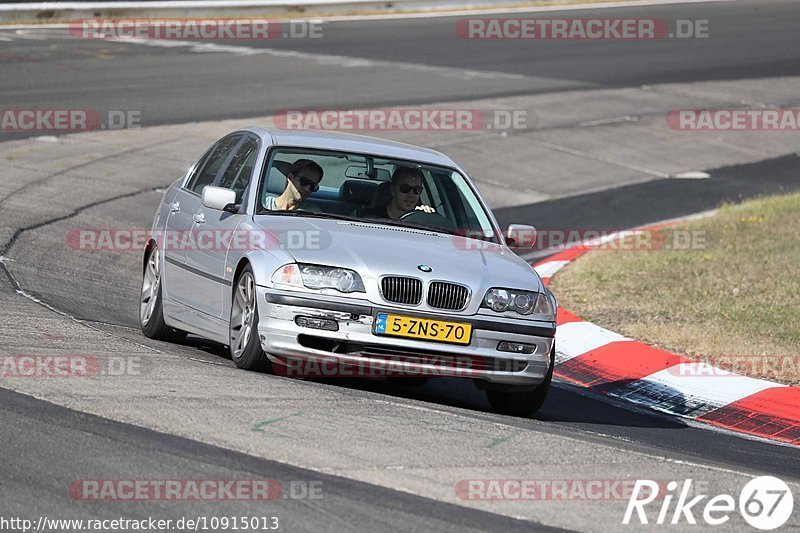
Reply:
x=678, y=220
x=587, y=155
x=605, y=121
x=324, y=59
x=577, y=338
x=547, y=269
x=180, y=4
x=532, y=256
x=343, y=18
x=691, y=175
x=443, y=13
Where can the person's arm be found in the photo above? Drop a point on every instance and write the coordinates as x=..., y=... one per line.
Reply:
x=269, y=203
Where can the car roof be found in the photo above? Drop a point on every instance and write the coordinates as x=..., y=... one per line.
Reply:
x=348, y=142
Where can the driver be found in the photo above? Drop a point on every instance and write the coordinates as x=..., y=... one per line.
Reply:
x=405, y=188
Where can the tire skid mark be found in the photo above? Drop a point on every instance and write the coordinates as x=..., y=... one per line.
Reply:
x=75, y=167
x=7, y=247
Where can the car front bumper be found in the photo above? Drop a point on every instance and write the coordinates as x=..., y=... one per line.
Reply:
x=354, y=345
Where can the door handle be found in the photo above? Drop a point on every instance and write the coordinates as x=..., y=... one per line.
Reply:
x=199, y=218
x=175, y=207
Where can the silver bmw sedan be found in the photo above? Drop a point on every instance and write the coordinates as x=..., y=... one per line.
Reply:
x=317, y=253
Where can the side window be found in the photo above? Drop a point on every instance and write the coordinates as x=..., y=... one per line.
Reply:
x=213, y=163
x=240, y=170
x=431, y=194
x=472, y=217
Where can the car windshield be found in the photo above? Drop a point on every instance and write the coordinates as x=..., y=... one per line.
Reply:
x=372, y=189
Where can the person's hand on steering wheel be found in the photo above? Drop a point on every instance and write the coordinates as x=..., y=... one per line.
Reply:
x=418, y=209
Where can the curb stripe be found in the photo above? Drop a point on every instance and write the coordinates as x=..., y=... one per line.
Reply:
x=577, y=338
x=548, y=268
x=691, y=389
x=773, y=413
x=616, y=365
x=563, y=316
x=609, y=363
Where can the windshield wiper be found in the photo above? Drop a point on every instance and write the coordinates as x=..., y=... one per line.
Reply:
x=310, y=214
x=411, y=225
x=365, y=220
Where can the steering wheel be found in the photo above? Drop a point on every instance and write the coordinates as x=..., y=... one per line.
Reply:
x=431, y=219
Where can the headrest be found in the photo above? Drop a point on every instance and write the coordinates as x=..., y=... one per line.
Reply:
x=276, y=180
x=383, y=195
x=358, y=191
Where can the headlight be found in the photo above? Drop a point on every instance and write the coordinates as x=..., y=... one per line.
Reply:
x=318, y=277
x=522, y=302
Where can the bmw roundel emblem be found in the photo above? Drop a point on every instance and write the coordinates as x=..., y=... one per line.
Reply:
x=425, y=268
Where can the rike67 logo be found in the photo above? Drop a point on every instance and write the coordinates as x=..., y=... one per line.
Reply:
x=765, y=503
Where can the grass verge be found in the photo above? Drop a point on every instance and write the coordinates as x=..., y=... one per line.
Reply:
x=731, y=299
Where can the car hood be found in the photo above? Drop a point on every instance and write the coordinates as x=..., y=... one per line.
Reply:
x=374, y=250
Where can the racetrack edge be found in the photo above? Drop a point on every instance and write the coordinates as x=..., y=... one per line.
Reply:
x=593, y=357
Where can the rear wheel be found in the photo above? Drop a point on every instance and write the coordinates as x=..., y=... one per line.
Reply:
x=151, y=312
x=522, y=403
x=245, y=347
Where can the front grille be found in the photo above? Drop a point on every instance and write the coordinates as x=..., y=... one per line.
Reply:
x=442, y=295
x=401, y=290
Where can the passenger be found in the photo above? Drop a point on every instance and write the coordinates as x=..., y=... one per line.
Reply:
x=406, y=188
x=302, y=179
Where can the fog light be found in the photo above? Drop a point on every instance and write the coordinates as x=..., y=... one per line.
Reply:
x=316, y=323
x=516, y=347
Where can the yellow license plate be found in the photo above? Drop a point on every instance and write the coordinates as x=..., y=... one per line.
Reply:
x=422, y=328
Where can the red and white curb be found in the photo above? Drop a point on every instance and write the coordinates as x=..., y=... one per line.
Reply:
x=608, y=363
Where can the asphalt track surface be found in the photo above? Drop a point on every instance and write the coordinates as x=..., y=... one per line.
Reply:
x=46, y=430
x=748, y=39
x=175, y=85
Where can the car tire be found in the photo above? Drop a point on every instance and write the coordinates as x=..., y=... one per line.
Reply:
x=245, y=347
x=151, y=311
x=522, y=403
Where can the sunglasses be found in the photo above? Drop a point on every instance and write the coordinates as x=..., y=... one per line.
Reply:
x=405, y=188
x=306, y=183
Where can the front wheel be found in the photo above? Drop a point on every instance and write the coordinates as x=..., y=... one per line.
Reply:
x=522, y=403
x=245, y=348
x=151, y=311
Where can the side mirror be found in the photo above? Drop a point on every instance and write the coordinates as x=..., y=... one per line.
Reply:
x=520, y=236
x=218, y=198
